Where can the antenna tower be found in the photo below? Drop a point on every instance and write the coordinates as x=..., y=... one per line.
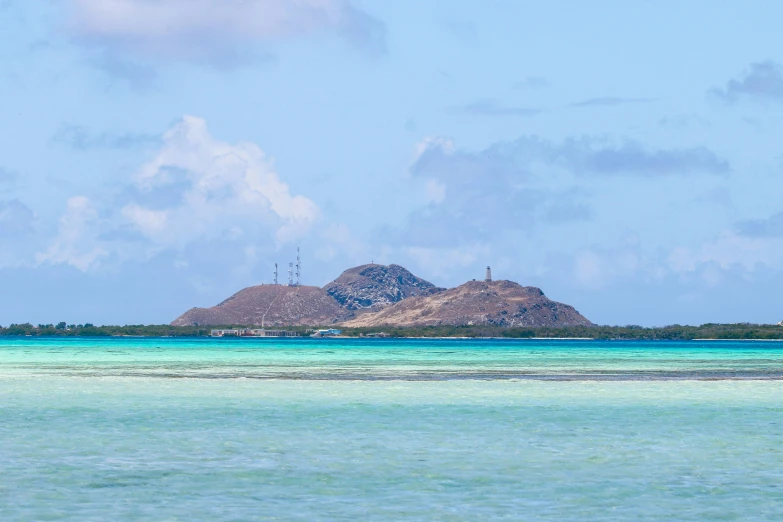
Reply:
x=275, y=273
x=298, y=268
x=290, y=274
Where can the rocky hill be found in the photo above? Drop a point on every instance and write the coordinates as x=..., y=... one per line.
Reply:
x=502, y=303
x=377, y=295
x=373, y=287
x=270, y=306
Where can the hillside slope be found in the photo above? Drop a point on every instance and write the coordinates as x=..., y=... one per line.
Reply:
x=372, y=287
x=270, y=306
x=502, y=303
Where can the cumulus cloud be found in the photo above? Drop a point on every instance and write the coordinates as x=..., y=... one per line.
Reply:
x=216, y=30
x=762, y=81
x=632, y=158
x=522, y=185
x=223, y=190
x=471, y=196
x=581, y=156
x=195, y=190
x=75, y=243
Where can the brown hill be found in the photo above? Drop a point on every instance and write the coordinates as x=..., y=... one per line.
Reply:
x=372, y=287
x=269, y=305
x=502, y=303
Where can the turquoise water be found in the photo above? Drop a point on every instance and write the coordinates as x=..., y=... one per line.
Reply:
x=165, y=429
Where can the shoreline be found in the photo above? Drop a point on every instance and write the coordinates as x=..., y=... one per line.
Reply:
x=383, y=339
x=705, y=332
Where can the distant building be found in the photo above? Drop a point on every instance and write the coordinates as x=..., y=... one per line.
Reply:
x=488, y=277
x=269, y=333
x=376, y=334
x=331, y=332
x=224, y=333
x=253, y=332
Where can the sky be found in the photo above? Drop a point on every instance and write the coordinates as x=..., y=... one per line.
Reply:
x=624, y=156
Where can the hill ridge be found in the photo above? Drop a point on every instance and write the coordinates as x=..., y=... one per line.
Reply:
x=501, y=303
x=375, y=286
x=380, y=295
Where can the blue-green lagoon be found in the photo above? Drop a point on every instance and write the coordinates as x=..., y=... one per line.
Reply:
x=338, y=429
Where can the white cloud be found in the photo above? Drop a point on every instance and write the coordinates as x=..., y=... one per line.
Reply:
x=218, y=190
x=149, y=222
x=75, y=242
x=213, y=28
x=471, y=197
x=196, y=190
x=446, y=146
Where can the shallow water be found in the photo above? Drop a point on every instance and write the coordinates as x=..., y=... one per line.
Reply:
x=418, y=359
x=167, y=429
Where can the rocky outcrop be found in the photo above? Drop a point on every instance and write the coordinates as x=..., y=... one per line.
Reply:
x=373, y=287
x=502, y=303
x=269, y=306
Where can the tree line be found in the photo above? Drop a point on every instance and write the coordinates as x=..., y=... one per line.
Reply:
x=630, y=332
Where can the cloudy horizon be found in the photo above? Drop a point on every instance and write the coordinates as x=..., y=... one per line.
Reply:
x=163, y=155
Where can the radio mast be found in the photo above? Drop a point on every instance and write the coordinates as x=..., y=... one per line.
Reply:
x=298, y=268
x=290, y=274
x=275, y=273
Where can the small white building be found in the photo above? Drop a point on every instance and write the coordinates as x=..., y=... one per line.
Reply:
x=331, y=332
x=224, y=333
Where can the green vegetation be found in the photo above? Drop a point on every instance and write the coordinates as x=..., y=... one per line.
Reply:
x=674, y=332
x=89, y=330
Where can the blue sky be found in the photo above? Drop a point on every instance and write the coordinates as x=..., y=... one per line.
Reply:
x=624, y=156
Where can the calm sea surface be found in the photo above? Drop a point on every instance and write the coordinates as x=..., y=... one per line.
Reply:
x=332, y=429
